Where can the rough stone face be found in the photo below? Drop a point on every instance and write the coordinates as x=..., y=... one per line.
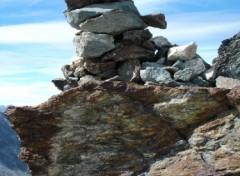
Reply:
x=88, y=79
x=198, y=80
x=184, y=75
x=130, y=70
x=155, y=20
x=76, y=4
x=161, y=41
x=113, y=23
x=97, y=68
x=129, y=52
x=196, y=65
x=227, y=83
x=185, y=52
x=117, y=128
x=90, y=45
x=158, y=75
x=137, y=37
x=228, y=62
x=78, y=16
x=60, y=83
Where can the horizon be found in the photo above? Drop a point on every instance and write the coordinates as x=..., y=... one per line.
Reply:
x=36, y=40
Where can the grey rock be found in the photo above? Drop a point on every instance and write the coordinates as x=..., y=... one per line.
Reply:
x=179, y=64
x=161, y=41
x=209, y=75
x=227, y=83
x=196, y=65
x=148, y=44
x=155, y=20
x=79, y=72
x=150, y=64
x=67, y=72
x=136, y=37
x=130, y=70
x=200, y=81
x=77, y=62
x=90, y=45
x=113, y=22
x=88, y=78
x=228, y=62
x=185, y=52
x=78, y=16
x=171, y=69
x=97, y=68
x=184, y=75
x=108, y=74
x=157, y=75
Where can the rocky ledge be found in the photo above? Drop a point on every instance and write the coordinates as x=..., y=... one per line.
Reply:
x=120, y=128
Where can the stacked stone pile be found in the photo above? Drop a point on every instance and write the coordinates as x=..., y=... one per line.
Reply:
x=115, y=44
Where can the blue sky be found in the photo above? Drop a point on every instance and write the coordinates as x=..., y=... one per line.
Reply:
x=35, y=39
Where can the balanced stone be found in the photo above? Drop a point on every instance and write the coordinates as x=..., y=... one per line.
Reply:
x=78, y=16
x=185, y=52
x=90, y=45
x=113, y=22
x=155, y=20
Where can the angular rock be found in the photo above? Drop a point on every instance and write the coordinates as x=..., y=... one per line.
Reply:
x=155, y=20
x=196, y=65
x=60, y=83
x=227, y=83
x=136, y=37
x=130, y=70
x=67, y=71
x=157, y=75
x=79, y=72
x=150, y=64
x=161, y=41
x=90, y=45
x=97, y=68
x=128, y=53
x=200, y=81
x=171, y=70
x=77, y=4
x=184, y=75
x=78, y=16
x=88, y=79
x=185, y=52
x=179, y=64
x=228, y=62
x=113, y=23
x=209, y=74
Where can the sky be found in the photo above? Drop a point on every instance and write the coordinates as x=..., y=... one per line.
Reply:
x=36, y=40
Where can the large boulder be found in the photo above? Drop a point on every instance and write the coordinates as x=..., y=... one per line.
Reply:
x=227, y=64
x=113, y=23
x=78, y=16
x=90, y=45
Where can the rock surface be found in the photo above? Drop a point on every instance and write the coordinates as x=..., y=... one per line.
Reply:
x=227, y=83
x=119, y=128
x=227, y=64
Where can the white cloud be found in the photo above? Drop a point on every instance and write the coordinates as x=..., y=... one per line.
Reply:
x=52, y=32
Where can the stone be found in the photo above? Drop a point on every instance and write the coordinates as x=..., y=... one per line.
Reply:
x=88, y=79
x=184, y=75
x=77, y=4
x=136, y=37
x=171, y=70
x=130, y=70
x=185, y=52
x=78, y=16
x=227, y=64
x=67, y=72
x=179, y=64
x=227, y=83
x=158, y=75
x=161, y=41
x=113, y=23
x=151, y=64
x=60, y=83
x=200, y=81
x=76, y=62
x=108, y=74
x=97, y=68
x=209, y=75
x=155, y=20
x=196, y=65
x=80, y=72
x=90, y=45
x=127, y=53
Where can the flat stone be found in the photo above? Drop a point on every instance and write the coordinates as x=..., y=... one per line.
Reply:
x=127, y=53
x=113, y=22
x=78, y=16
x=60, y=83
x=136, y=37
x=130, y=70
x=108, y=74
x=227, y=83
x=90, y=45
x=155, y=20
x=97, y=68
x=88, y=78
x=185, y=52
x=157, y=75
x=184, y=75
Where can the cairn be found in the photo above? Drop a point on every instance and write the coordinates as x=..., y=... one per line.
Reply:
x=114, y=44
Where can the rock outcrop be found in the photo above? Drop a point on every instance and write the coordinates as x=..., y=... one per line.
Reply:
x=120, y=128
